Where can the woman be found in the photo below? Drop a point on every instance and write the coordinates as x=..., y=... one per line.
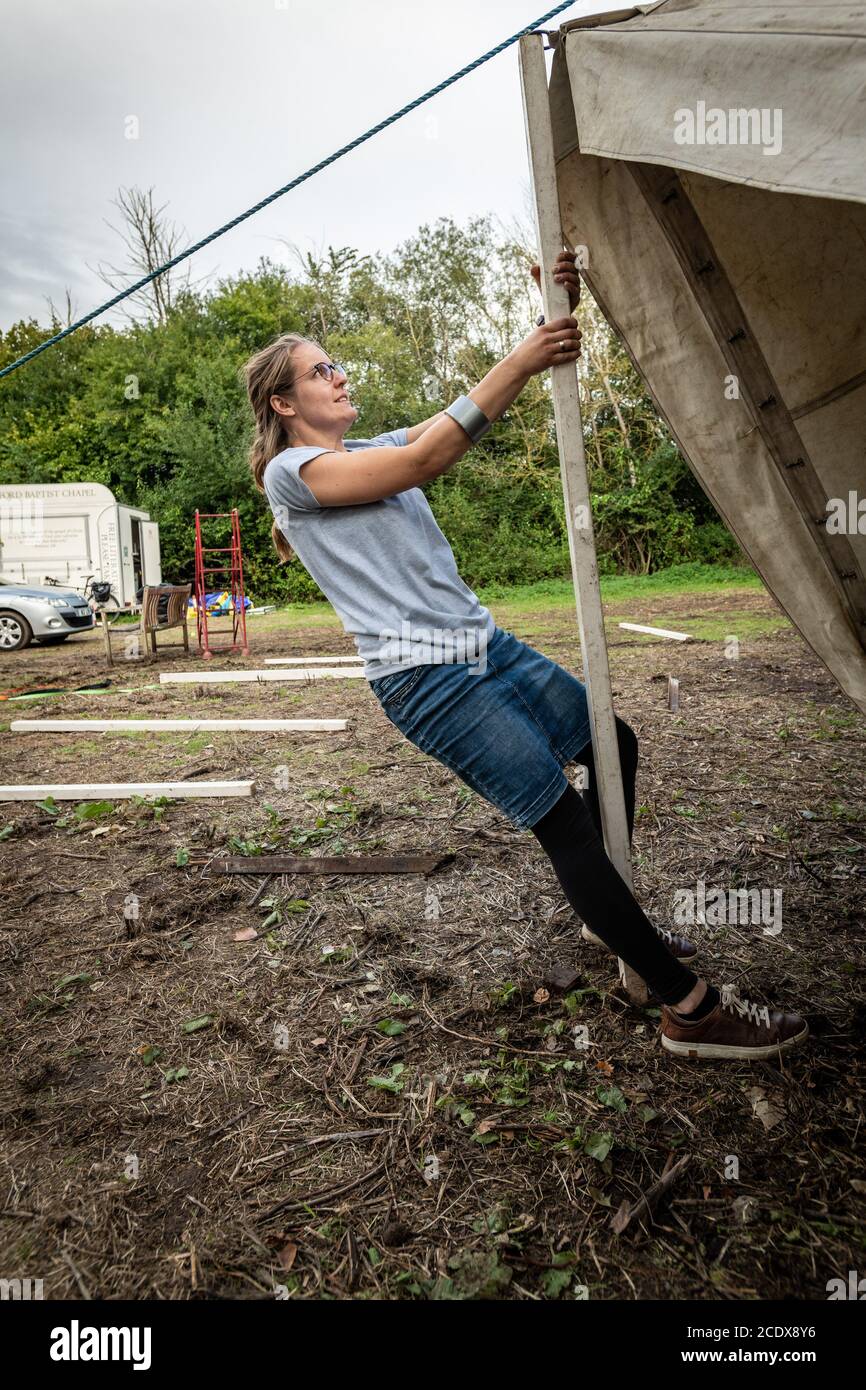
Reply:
x=497, y=713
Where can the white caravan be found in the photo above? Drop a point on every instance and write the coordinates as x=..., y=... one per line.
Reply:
x=67, y=531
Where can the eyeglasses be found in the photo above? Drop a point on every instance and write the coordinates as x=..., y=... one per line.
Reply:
x=323, y=369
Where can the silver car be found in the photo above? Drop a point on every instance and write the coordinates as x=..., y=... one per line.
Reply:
x=46, y=615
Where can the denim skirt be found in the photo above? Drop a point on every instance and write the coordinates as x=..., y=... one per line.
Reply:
x=506, y=726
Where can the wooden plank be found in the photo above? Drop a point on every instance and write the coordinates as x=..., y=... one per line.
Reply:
x=119, y=791
x=658, y=632
x=176, y=726
x=330, y=864
x=225, y=677
x=312, y=660
x=575, y=482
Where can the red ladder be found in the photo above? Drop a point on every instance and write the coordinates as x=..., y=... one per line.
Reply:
x=231, y=570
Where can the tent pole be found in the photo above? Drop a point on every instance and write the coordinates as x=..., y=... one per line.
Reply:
x=575, y=482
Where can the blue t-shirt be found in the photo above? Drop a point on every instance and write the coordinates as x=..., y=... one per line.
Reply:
x=385, y=567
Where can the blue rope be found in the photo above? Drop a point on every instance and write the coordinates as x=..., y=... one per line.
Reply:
x=323, y=164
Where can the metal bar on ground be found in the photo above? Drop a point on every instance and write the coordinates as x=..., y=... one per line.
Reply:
x=575, y=482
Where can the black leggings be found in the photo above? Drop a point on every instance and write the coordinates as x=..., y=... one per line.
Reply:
x=571, y=836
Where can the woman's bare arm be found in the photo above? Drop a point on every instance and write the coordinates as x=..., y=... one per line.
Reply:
x=415, y=431
x=353, y=477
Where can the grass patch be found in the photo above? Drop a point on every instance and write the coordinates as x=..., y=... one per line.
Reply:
x=553, y=593
x=319, y=614
x=686, y=578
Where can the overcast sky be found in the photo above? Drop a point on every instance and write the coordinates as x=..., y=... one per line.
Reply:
x=233, y=99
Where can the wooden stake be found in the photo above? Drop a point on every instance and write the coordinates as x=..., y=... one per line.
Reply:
x=572, y=460
x=106, y=636
x=673, y=694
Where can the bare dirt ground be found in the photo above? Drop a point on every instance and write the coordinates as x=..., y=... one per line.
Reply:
x=376, y=1096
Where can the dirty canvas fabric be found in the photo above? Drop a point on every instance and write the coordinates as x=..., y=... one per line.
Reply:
x=711, y=158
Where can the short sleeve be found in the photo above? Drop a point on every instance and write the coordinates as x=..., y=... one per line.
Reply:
x=284, y=486
x=399, y=438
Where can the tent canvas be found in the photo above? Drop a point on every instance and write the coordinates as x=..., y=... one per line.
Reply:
x=711, y=159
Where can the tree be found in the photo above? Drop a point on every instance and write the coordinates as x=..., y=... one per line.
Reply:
x=150, y=241
x=157, y=411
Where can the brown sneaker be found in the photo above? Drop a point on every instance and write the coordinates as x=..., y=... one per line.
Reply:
x=678, y=946
x=734, y=1028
